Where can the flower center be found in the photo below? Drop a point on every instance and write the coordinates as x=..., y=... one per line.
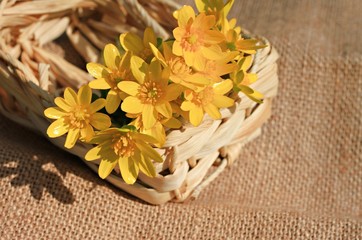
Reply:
x=150, y=92
x=192, y=41
x=124, y=146
x=78, y=117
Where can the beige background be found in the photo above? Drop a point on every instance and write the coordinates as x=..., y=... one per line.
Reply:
x=301, y=179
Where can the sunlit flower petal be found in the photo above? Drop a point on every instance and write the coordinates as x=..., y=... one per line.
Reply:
x=97, y=105
x=99, y=83
x=100, y=121
x=54, y=113
x=213, y=111
x=97, y=70
x=72, y=137
x=60, y=102
x=70, y=97
x=112, y=57
x=113, y=101
x=93, y=154
x=84, y=95
x=196, y=115
x=87, y=132
x=146, y=166
x=148, y=116
x=106, y=167
x=129, y=87
x=57, y=128
x=132, y=105
x=129, y=169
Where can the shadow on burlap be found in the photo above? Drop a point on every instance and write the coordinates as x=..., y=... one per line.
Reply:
x=301, y=179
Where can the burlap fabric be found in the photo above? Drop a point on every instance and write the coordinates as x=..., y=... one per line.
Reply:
x=302, y=179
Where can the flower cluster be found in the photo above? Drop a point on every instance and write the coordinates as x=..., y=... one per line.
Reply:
x=147, y=86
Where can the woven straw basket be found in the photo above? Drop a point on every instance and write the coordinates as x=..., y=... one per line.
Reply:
x=44, y=46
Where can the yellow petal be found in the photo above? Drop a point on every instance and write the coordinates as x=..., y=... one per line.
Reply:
x=97, y=70
x=143, y=137
x=213, y=36
x=212, y=111
x=131, y=42
x=129, y=170
x=87, y=133
x=200, y=5
x=54, y=113
x=187, y=106
x=93, y=154
x=246, y=64
x=129, y=87
x=155, y=71
x=176, y=47
x=85, y=95
x=70, y=97
x=184, y=15
x=148, y=151
x=250, y=78
x=227, y=7
x=106, y=167
x=158, y=133
x=72, y=137
x=60, y=102
x=139, y=68
x=190, y=58
x=147, y=167
x=213, y=52
x=165, y=109
x=148, y=116
x=97, y=105
x=256, y=96
x=57, y=128
x=111, y=56
x=149, y=37
x=158, y=54
x=113, y=101
x=132, y=105
x=100, y=121
x=125, y=61
x=173, y=91
x=196, y=115
x=198, y=79
x=222, y=101
x=99, y=83
x=223, y=87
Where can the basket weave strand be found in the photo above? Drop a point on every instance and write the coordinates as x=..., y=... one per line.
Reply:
x=43, y=49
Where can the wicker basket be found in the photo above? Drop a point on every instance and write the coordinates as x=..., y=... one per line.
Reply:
x=43, y=49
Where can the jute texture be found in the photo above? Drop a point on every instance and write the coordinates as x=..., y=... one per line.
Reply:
x=302, y=179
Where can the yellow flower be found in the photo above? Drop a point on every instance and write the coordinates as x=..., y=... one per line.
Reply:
x=128, y=148
x=179, y=71
x=242, y=79
x=132, y=42
x=209, y=100
x=215, y=7
x=151, y=94
x=77, y=116
x=194, y=38
x=116, y=69
x=234, y=41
